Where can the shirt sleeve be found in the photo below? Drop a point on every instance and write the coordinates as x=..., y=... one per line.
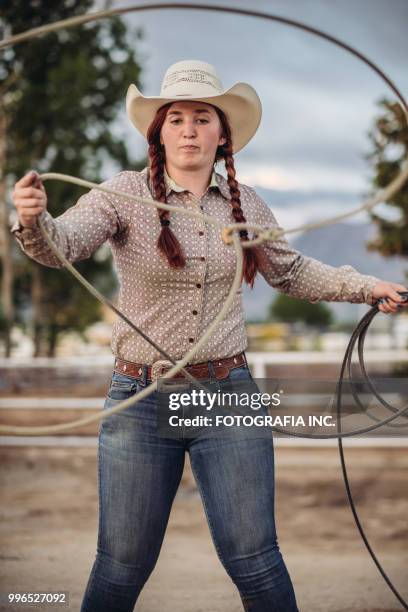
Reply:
x=77, y=233
x=291, y=272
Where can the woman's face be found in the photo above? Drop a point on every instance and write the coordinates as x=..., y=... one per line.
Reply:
x=191, y=134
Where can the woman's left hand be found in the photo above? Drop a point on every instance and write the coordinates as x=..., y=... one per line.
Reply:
x=393, y=301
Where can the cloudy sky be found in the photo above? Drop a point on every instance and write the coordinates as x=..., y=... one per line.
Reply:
x=319, y=102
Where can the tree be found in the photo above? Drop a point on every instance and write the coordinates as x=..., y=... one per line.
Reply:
x=389, y=139
x=61, y=93
x=289, y=310
x=390, y=147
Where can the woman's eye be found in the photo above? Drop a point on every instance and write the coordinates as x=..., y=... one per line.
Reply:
x=175, y=121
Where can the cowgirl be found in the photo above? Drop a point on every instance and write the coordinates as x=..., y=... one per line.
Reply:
x=175, y=273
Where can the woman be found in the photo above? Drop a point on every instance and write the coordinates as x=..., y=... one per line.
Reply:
x=175, y=273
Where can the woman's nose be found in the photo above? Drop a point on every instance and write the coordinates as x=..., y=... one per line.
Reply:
x=189, y=129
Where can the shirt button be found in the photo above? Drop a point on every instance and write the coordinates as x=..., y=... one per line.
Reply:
x=202, y=207
x=195, y=312
x=202, y=258
x=198, y=285
x=200, y=233
x=191, y=339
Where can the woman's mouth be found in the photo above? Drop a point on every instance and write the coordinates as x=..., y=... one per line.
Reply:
x=190, y=148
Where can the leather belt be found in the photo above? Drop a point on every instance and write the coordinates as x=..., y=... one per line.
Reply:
x=222, y=368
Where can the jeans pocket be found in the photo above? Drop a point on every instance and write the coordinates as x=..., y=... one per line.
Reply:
x=122, y=387
x=240, y=377
x=240, y=373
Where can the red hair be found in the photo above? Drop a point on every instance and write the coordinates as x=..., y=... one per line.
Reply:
x=167, y=242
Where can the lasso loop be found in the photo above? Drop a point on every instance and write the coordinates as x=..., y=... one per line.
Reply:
x=133, y=8
x=227, y=232
x=229, y=237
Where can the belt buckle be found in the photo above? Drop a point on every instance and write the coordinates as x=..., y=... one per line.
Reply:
x=161, y=366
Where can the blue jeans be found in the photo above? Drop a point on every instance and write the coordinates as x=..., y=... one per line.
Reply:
x=139, y=473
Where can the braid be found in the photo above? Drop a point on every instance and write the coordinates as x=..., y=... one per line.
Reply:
x=253, y=258
x=156, y=157
x=167, y=242
x=234, y=190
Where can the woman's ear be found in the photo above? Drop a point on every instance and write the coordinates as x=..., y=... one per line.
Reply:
x=222, y=141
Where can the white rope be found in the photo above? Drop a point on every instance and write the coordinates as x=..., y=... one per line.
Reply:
x=266, y=235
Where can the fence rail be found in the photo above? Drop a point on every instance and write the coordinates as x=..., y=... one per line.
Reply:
x=21, y=405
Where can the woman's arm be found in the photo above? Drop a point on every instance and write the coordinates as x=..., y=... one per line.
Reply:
x=303, y=277
x=77, y=233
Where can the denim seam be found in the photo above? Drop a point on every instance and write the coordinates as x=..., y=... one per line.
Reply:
x=129, y=389
x=208, y=516
x=122, y=384
x=100, y=517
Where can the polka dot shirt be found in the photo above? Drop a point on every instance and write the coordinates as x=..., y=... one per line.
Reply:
x=175, y=306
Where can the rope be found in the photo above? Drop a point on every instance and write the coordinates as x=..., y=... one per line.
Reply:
x=360, y=333
x=238, y=245
x=230, y=238
x=134, y=8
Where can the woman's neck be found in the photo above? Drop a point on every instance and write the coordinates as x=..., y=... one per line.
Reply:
x=195, y=181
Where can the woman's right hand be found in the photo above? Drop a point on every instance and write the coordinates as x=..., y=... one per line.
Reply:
x=30, y=199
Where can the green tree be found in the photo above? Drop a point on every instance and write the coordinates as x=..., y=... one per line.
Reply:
x=290, y=310
x=389, y=138
x=61, y=94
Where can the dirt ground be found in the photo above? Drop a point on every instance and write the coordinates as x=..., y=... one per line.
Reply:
x=49, y=527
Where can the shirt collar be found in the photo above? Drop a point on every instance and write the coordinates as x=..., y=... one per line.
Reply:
x=217, y=182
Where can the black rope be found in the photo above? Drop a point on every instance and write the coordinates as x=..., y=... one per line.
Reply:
x=360, y=333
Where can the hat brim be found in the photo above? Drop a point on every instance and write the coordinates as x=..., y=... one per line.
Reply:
x=240, y=103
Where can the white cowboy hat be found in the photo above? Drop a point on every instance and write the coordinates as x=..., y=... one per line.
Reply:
x=198, y=81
